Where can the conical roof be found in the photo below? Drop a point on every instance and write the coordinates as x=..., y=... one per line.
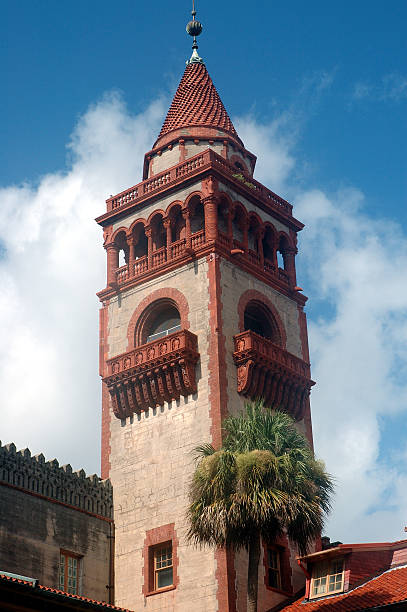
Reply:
x=197, y=104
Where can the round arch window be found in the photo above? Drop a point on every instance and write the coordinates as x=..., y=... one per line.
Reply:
x=166, y=322
x=258, y=319
x=160, y=319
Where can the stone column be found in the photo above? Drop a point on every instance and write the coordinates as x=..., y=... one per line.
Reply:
x=211, y=217
x=112, y=251
x=187, y=216
x=130, y=242
x=167, y=224
x=149, y=233
x=245, y=223
x=289, y=264
x=260, y=236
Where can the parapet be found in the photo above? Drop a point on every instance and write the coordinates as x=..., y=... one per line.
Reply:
x=61, y=483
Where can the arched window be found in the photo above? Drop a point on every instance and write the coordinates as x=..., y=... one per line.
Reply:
x=123, y=248
x=269, y=245
x=158, y=320
x=196, y=214
x=177, y=224
x=223, y=214
x=238, y=224
x=158, y=233
x=258, y=318
x=140, y=241
x=166, y=322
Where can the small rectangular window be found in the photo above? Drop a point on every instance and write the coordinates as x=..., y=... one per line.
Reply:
x=273, y=568
x=163, y=566
x=327, y=578
x=69, y=573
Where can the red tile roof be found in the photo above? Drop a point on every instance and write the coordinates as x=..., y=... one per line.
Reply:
x=197, y=103
x=34, y=584
x=383, y=590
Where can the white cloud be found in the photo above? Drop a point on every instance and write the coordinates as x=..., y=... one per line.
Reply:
x=392, y=87
x=53, y=264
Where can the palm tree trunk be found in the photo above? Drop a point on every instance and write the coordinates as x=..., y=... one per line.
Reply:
x=253, y=572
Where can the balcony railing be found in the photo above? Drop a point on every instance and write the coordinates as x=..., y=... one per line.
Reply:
x=266, y=370
x=153, y=373
x=199, y=162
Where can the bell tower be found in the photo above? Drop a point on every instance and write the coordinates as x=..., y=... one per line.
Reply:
x=200, y=311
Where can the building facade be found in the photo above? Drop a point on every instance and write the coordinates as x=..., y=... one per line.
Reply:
x=55, y=525
x=201, y=310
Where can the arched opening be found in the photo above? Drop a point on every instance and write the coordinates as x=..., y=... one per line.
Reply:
x=197, y=215
x=258, y=319
x=123, y=248
x=139, y=241
x=166, y=322
x=223, y=216
x=253, y=233
x=269, y=245
x=158, y=233
x=238, y=224
x=281, y=252
x=239, y=167
x=269, y=250
x=160, y=319
x=177, y=224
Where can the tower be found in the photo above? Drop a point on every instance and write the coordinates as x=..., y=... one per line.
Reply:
x=202, y=313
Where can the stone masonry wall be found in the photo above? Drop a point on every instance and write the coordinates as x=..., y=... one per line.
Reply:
x=234, y=283
x=33, y=530
x=152, y=462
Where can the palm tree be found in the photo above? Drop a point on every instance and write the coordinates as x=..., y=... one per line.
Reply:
x=263, y=481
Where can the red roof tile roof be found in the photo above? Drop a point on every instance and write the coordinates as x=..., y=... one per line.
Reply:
x=34, y=584
x=197, y=103
x=383, y=590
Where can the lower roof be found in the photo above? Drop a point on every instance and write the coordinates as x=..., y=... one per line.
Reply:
x=387, y=589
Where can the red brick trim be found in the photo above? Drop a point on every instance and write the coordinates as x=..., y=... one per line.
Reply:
x=302, y=322
x=55, y=501
x=282, y=545
x=166, y=293
x=253, y=294
x=159, y=535
x=225, y=575
x=106, y=416
x=218, y=401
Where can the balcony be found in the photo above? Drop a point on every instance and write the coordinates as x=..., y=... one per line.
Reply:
x=266, y=370
x=197, y=164
x=153, y=373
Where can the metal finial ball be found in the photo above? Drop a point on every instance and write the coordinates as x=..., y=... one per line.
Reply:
x=194, y=28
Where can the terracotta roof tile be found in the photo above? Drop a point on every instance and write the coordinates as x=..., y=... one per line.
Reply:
x=41, y=587
x=387, y=588
x=197, y=103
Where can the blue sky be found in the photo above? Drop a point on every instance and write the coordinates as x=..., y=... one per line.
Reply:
x=319, y=93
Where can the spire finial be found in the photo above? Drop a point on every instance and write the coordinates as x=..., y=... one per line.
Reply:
x=194, y=28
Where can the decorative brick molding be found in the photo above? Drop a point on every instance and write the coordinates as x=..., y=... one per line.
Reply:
x=166, y=293
x=159, y=535
x=266, y=370
x=153, y=373
x=253, y=295
x=47, y=478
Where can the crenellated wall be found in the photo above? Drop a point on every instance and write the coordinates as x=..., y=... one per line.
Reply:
x=61, y=483
x=47, y=510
